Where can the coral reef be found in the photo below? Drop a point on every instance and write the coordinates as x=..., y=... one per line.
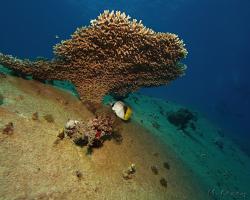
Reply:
x=113, y=55
x=182, y=118
x=93, y=133
x=155, y=169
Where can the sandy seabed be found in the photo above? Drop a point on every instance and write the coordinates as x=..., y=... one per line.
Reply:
x=34, y=166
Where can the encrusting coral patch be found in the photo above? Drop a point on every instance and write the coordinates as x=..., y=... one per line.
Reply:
x=113, y=55
x=92, y=133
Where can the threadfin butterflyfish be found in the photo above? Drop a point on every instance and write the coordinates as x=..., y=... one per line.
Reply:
x=121, y=110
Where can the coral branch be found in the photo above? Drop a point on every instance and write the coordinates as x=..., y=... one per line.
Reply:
x=114, y=55
x=40, y=69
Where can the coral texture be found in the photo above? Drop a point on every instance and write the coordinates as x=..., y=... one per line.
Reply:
x=94, y=131
x=113, y=55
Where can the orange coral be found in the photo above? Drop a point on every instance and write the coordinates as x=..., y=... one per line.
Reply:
x=114, y=55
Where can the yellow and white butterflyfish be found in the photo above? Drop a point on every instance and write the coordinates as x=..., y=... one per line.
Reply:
x=121, y=110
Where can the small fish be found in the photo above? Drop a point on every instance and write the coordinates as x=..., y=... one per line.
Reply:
x=121, y=110
x=57, y=37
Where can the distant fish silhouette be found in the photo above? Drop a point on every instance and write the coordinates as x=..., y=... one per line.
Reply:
x=57, y=37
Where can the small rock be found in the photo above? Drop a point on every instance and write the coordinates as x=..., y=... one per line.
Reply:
x=96, y=189
x=166, y=165
x=181, y=118
x=128, y=174
x=61, y=134
x=155, y=169
x=78, y=174
x=35, y=116
x=164, y=182
x=60, y=137
x=132, y=169
x=8, y=129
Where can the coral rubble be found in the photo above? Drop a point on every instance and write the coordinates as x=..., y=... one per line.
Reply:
x=113, y=55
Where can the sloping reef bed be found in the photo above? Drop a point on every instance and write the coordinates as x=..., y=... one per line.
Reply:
x=218, y=162
x=177, y=154
x=34, y=165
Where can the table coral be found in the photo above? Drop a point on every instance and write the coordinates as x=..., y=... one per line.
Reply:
x=113, y=55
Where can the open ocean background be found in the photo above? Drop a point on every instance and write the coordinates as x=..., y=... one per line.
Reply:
x=216, y=33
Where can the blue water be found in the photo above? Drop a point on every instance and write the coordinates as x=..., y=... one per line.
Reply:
x=216, y=33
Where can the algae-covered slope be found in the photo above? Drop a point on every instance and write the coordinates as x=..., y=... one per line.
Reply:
x=203, y=147
x=34, y=166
